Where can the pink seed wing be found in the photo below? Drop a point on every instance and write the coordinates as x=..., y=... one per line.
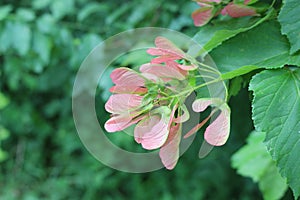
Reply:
x=184, y=117
x=126, y=76
x=131, y=89
x=239, y=10
x=157, y=51
x=150, y=77
x=162, y=71
x=117, y=123
x=246, y=2
x=175, y=65
x=165, y=52
x=165, y=58
x=122, y=103
x=120, y=122
x=172, y=115
x=152, y=132
x=217, y=132
x=164, y=43
x=224, y=11
x=169, y=152
x=196, y=128
x=200, y=105
x=202, y=16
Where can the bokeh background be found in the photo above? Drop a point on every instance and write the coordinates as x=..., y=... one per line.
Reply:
x=42, y=44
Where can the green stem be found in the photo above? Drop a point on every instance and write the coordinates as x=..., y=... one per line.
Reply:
x=209, y=68
x=163, y=93
x=207, y=83
x=204, y=76
x=191, y=90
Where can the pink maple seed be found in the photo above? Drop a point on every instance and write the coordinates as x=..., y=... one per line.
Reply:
x=152, y=131
x=162, y=71
x=238, y=10
x=199, y=105
x=168, y=53
x=224, y=11
x=123, y=103
x=203, y=15
x=165, y=58
x=126, y=76
x=117, y=123
x=150, y=77
x=120, y=89
x=246, y=2
x=177, y=67
x=169, y=152
x=184, y=117
x=125, y=109
x=217, y=132
x=165, y=47
x=127, y=82
x=120, y=122
x=197, y=127
x=172, y=116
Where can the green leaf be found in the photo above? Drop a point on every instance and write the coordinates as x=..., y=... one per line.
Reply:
x=90, y=9
x=3, y=155
x=3, y=101
x=4, y=11
x=275, y=109
x=261, y=47
x=239, y=82
x=140, y=12
x=253, y=160
x=86, y=45
x=16, y=35
x=14, y=71
x=117, y=14
x=212, y=35
x=46, y=23
x=25, y=14
x=4, y=133
x=272, y=185
x=21, y=34
x=40, y=4
x=238, y=72
x=289, y=19
x=42, y=46
x=5, y=37
x=62, y=8
x=180, y=22
x=235, y=86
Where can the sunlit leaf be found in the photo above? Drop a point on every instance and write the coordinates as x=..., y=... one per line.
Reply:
x=253, y=160
x=4, y=11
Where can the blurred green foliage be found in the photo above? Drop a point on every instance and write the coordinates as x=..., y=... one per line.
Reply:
x=42, y=44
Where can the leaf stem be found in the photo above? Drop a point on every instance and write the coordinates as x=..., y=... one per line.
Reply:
x=192, y=89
